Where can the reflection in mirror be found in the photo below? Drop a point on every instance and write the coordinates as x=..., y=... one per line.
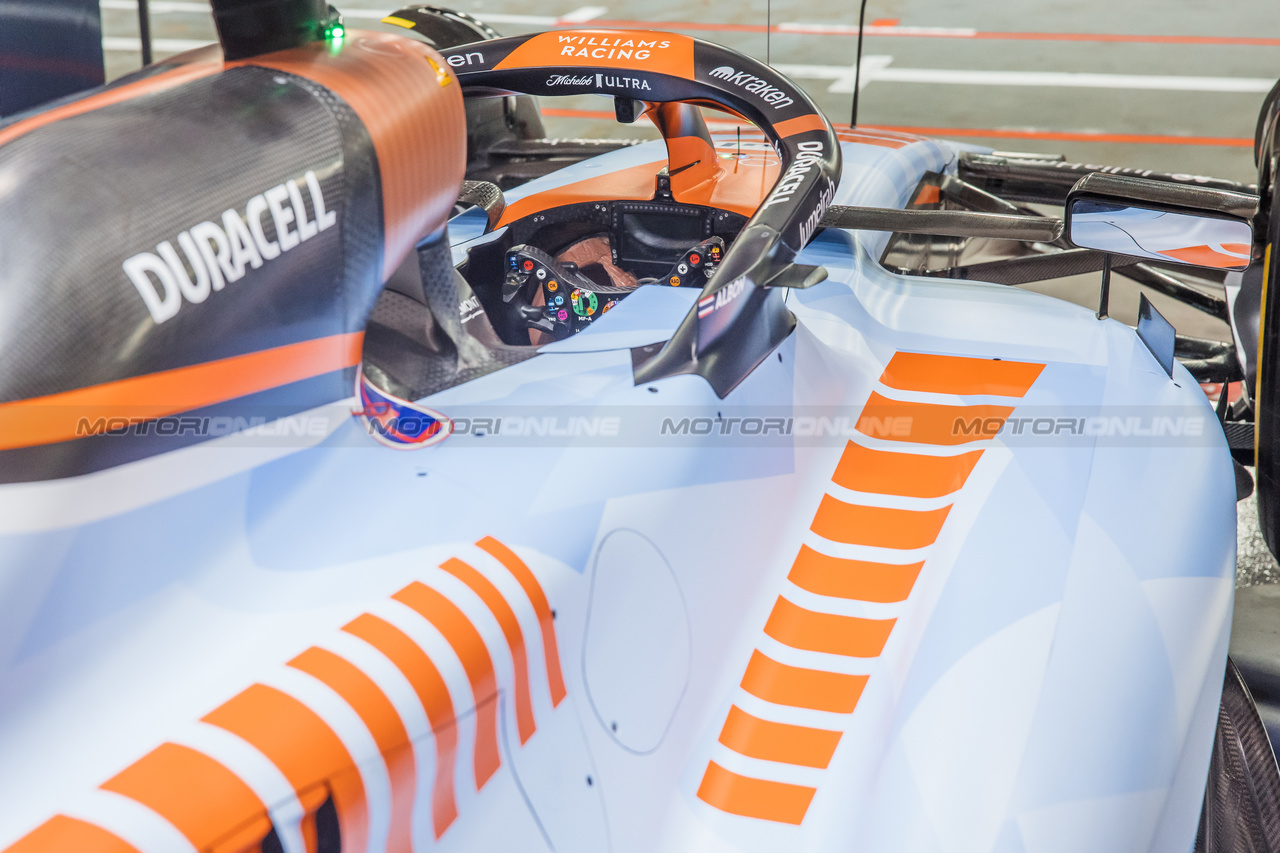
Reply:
x=1184, y=238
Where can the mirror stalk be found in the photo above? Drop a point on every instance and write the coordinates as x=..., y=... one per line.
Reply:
x=1104, y=293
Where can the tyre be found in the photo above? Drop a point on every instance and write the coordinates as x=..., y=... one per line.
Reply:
x=1266, y=391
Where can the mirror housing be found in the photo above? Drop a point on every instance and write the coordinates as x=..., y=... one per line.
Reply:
x=1161, y=221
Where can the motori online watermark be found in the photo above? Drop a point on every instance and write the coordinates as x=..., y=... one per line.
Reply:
x=900, y=425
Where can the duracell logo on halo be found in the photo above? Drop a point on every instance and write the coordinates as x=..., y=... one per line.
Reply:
x=605, y=47
x=807, y=159
x=217, y=254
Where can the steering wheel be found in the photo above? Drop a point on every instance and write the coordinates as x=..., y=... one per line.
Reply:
x=739, y=317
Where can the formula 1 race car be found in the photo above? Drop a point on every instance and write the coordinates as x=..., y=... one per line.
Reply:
x=749, y=508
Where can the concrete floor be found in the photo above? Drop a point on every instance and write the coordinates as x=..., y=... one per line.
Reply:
x=1180, y=87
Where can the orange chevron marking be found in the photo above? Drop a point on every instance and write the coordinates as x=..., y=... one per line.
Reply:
x=506, y=617
x=471, y=650
x=793, y=625
x=930, y=423
x=305, y=750
x=890, y=472
x=546, y=619
x=433, y=693
x=61, y=833
x=881, y=527
x=780, y=684
x=872, y=471
x=852, y=579
x=751, y=736
x=383, y=722
x=953, y=374
x=209, y=803
x=757, y=798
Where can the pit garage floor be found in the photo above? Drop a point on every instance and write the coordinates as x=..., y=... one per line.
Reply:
x=1171, y=85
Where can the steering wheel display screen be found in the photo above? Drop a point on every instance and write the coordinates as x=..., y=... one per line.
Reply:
x=649, y=243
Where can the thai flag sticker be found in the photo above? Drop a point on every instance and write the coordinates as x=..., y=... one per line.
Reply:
x=706, y=305
x=398, y=423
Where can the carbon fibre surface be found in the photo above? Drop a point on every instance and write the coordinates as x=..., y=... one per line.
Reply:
x=1242, y=800
x=72, y=316
x=151, y=171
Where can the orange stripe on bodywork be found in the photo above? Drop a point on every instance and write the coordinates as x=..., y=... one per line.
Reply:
x=304, y=748
x=53, y=418
x=202, y=799
x=803, y=124
x=474, y=655
x=852, y=579
x=751, y=736
x=546, y=619
x=759, y=798
x=691, y=161
x=62, y=834
x=930, y=423
x=506, y=617
x=383, y=722
x=691, y=155
x=204, y=63
x=887, y=472
x=851, y=636
x=739, y=186
x=781, y=684
x=952, y=374
x=879, y=527
x=433, y=693
x=633, y=183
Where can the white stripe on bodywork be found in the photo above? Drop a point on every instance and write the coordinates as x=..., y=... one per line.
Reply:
x=482, y=619
x=526, y=616
x=400, y=693
x=258, y=773
x=130, y=820
x=426, y=637
x=327, y=704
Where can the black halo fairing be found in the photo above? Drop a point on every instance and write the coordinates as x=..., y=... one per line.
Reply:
x=739, y=319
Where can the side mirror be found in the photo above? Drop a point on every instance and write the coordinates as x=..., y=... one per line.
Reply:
x=1161, y=221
